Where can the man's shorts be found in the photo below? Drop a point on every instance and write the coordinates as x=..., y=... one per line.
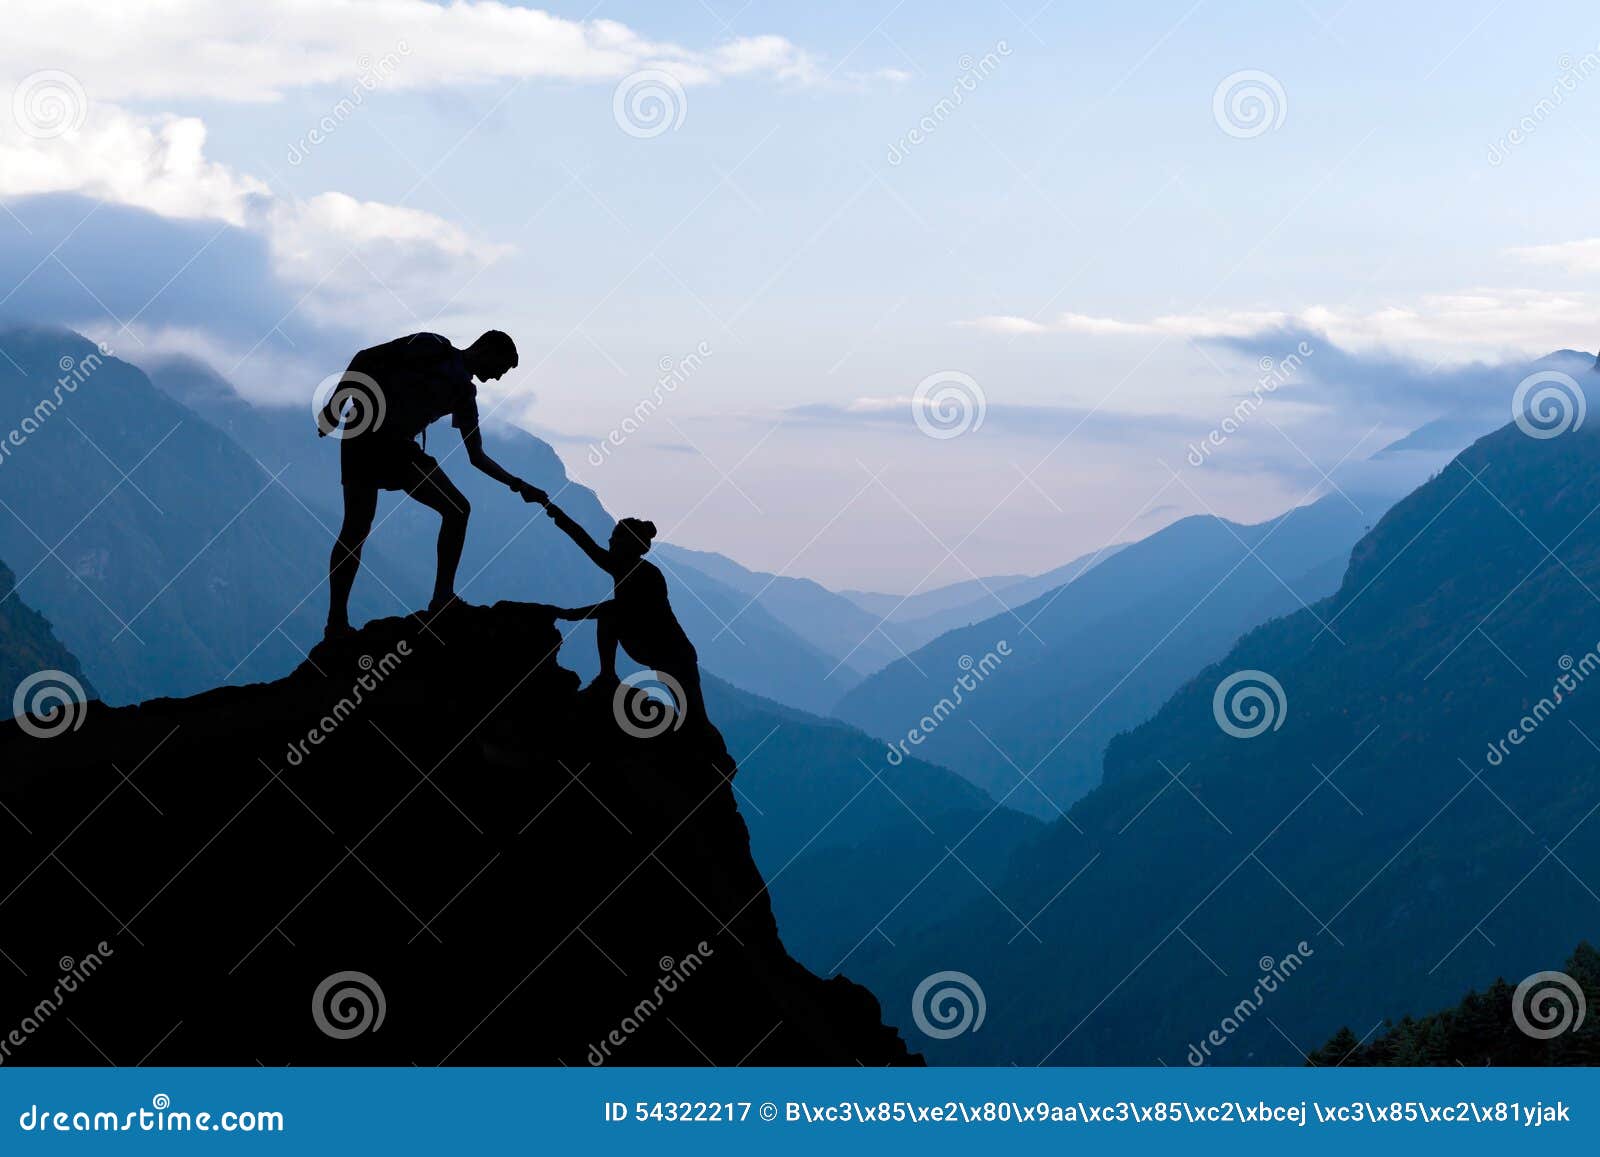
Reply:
x=383, y=463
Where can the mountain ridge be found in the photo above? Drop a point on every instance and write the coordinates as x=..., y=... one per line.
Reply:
x=1100, y=654
x=1358, y=812
x=431, y=814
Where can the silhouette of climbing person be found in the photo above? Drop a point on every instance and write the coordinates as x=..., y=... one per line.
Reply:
x=638, y=615
x=387, y=398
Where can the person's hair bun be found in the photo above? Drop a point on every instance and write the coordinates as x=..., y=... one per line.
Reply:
x=640, y=530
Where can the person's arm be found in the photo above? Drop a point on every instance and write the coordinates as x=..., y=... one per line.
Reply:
x=472, y=437
x=578, y=613
x=597, y=554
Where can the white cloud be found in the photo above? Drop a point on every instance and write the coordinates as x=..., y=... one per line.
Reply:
x=1574, y=256
x=163, y=50
x=402, y=248
x=1212, y=325
x=82, y=80
x=403, y=262
x=154, y=163
x=1449, y=328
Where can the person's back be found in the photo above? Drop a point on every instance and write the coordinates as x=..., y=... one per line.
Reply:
x=654, y=635
x=419, y=379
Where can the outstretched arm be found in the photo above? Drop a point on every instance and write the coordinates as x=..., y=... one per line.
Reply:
x=597, y=554
x=577, y=613
x=479, y=457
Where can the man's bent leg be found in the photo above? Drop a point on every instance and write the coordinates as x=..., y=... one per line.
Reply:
x=435, y=491
x=360, y=506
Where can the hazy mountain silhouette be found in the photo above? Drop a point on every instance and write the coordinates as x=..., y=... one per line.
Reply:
x=839, y=628
x=512, y=548
x=863, y=632
x=1371, y=825
x=163, y=555
x=28, y=645
x=1479, y=411
x=847, y=843
x=1100, y=655
x=915, y=620
x=515, y=873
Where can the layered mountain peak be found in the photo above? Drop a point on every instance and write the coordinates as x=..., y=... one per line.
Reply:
x=424, y=845
x=1394, y=785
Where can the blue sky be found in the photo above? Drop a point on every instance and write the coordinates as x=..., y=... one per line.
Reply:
x=1100, y=253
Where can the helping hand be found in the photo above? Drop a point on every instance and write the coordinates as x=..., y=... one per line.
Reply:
x=531, y=493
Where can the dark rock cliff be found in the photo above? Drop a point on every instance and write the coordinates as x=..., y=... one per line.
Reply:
x=423, y=846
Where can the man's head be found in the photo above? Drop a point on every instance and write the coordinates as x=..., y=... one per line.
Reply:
x=491, y=356
x=631, y=537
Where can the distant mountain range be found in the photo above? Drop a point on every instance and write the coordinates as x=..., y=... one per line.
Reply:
x=851, y=848
x=1480, y=411
x=162, y=554
x=1407, y=804
x=864, y=632
x=921, y=616
x=1100, y=655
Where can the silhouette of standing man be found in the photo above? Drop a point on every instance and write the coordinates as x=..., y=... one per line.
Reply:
x=387, y=398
